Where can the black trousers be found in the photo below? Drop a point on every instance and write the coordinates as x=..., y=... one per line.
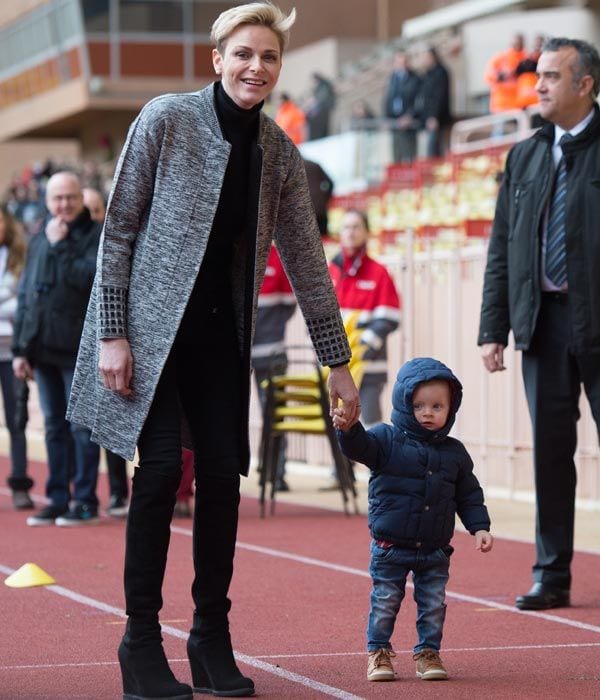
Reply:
x=553, y=376
x=203, y=382
x=404, y=145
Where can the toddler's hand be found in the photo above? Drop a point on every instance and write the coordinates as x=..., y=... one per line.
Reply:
x=340, y=422
x=483, y=541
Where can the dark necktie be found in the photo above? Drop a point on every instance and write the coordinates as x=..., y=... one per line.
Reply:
x=556, y=252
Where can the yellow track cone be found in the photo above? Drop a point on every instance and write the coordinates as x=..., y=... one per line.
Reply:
x=29, y=575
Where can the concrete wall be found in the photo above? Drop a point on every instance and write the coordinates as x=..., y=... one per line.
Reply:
x=325, y=56
x=16, y=155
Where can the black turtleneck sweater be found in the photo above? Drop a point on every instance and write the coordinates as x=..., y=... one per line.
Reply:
x=213, y=284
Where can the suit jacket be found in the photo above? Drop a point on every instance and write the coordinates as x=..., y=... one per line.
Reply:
x=401, y=94
x=511, y=297
x=159, y=217
x=433, y=99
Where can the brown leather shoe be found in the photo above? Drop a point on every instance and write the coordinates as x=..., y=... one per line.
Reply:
x=429, y=666
x=543, y=597
x=380, y=666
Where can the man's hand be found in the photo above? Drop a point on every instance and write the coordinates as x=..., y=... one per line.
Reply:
x=22, y=368
x=483, y=541
x=342, y=388
x=56, y=230
x=492, y=355
x=116, y=365
x=432, y=124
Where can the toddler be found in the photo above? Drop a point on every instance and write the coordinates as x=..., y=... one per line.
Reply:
x=420, y=478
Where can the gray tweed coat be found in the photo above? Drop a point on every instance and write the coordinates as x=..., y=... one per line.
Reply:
x=160, y=213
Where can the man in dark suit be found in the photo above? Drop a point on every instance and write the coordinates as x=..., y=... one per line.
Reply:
x=432, y=104
x=541, y=282
x=399, y=106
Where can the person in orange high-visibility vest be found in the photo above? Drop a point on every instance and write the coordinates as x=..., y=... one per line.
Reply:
x=500, y=75
x=527, y=76
x=291, y=119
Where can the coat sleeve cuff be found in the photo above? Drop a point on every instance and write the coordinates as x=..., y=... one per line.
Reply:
x=329, y=340
x=112, y=312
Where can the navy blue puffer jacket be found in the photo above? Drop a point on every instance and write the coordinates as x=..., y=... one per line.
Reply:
x=420, y=478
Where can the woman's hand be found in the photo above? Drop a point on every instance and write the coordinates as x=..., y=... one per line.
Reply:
x=342, y=388
x=339, y=421
x=116, y=365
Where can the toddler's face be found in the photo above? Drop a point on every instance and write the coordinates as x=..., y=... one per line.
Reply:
x=431, y=404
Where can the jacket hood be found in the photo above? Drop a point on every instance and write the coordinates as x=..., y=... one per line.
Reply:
x=422, y=369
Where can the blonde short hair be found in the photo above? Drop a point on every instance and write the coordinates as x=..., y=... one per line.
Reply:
x=264, y=14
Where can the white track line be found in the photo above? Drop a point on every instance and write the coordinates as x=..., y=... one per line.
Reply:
x=180, y=634
x=454, y=650
x=365, y=574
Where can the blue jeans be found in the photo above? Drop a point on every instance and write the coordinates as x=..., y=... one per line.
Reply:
x=389, y=569
x=71, y=453
x=18, y=445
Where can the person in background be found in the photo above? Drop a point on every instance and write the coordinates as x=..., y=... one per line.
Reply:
x=320, y=187
x=52, y=302
x=420, y=480
x=94, y=201
x=399, y=105
x=291, y=119
x=12, y=260
x=116, y=466
x=526, y=76
x=276, y=306
x=319, y=107
x=501, y=75
x=432, y=104
x=362, y=117
x=541, y=281
x=364, y=286
x=204, y=184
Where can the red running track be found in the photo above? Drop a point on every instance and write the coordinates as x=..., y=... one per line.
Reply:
x=301, y=593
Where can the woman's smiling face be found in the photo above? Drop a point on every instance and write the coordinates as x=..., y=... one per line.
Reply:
x=249, y=65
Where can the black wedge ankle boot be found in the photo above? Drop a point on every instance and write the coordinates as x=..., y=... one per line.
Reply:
x=146, y=673
x=213, y=666
x=214, y=670
x=144, y=667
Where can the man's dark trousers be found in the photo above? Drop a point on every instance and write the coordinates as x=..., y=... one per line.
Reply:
x=553, y=376
x=71, y=453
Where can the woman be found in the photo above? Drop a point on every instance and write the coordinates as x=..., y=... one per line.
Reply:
x=14, y=391
x=205, y=182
